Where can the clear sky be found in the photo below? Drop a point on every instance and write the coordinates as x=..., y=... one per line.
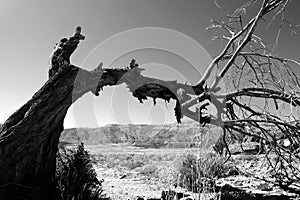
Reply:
x=167, y=37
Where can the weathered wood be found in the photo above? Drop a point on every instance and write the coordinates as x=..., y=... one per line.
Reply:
x=29, y=137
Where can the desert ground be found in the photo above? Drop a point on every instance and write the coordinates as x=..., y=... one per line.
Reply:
x=130, y=172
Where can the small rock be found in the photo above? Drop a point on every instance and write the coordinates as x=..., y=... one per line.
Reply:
x=228, y=188
x=187, y=198
x=233, y=172
x=123, y=176
x=265, y=187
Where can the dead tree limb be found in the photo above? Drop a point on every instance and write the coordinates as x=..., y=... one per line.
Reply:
x=29, y=137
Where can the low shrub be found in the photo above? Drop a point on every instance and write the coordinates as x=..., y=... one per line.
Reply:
x=76, y=178
x=198, y=172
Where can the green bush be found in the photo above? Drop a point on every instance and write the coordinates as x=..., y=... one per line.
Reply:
x=198, y=173
x=76, y=178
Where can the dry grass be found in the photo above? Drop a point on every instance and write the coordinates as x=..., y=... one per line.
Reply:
x=131, y=161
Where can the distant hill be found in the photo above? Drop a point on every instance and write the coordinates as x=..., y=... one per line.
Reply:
x=170, y=135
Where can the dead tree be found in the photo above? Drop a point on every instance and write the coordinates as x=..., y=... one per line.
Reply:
x=262, y=98
x=261, y=85
x=30, y=136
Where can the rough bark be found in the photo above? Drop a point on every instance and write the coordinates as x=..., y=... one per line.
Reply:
x=30, y=136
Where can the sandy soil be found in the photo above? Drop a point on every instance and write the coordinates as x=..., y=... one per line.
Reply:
x=121, y=183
